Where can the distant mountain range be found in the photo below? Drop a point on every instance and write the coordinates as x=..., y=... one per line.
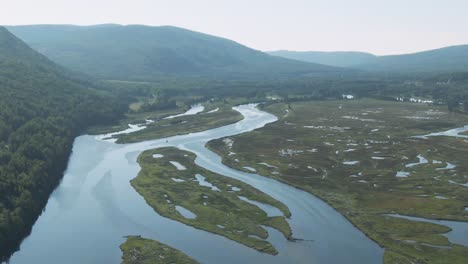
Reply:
x=144, y=53
x=449, y=59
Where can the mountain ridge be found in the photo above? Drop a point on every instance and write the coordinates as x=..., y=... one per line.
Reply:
x=11, y=47
x=138, y=52
x=446, y=59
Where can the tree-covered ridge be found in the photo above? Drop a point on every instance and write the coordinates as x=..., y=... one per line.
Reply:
x=332, y=58
x=41, y=112
x=12, y=47
x=144, y=53
x=448, y=59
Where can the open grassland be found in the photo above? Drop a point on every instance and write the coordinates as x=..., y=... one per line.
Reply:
x=137, y=250
x=360, y=157
x=172, y=183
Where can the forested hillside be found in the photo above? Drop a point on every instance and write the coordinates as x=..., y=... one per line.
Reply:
x=449, y=59
x=41, y=112
x=333, y=58
x=444, y=60
x=144, y=53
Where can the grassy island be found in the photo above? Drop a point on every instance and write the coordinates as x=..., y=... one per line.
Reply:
x=177, y=188
x=183, y=125
x=137, y=250
x=215, y=114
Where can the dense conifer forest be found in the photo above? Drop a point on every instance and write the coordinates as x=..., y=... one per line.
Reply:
x=41, y=112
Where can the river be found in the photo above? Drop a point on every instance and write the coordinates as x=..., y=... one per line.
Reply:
x=94, y=207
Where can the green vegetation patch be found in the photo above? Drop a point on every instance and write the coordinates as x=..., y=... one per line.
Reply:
x=134, y=118
x=170, y=179
x=217, y=113
x=183, y=125
x=349, y=154
x=137, y=250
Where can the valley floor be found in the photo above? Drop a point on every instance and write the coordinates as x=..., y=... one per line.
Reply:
x=360, y=157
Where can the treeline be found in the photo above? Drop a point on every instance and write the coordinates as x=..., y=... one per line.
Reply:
x=436, y=86
x=41, y=112
x=447, y=88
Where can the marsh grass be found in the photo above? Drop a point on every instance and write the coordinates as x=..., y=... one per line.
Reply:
x=183, y=125
x=220, y=212
x=137, y=250
x=312, y=143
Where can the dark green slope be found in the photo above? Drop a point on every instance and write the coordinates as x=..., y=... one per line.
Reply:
x=145, y=53
x=13, y=48
x=338, y=58
x=41, y=111
x=449, y=59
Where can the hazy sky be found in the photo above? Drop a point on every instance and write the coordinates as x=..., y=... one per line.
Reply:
x=378, y=26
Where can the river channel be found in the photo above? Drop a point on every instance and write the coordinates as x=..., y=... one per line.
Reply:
x=94, y=207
